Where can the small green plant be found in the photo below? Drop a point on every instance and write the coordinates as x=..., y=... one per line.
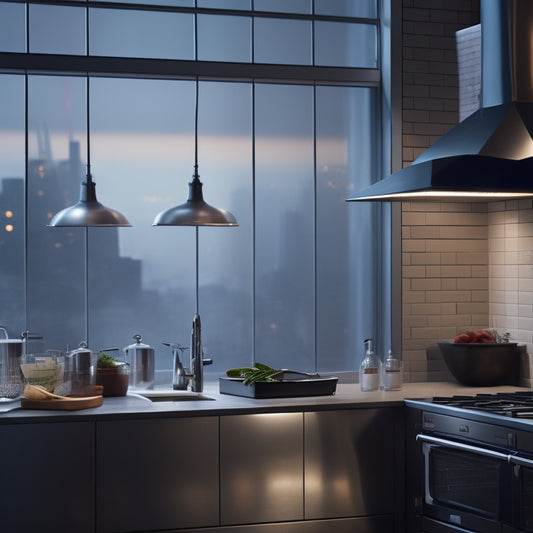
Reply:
x=106, y=361
x=251, y=375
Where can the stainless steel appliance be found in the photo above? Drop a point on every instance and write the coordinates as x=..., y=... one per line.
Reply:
x=470, y=464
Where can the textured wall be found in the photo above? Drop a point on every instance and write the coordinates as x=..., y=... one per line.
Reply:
x=465, y=266
x=444, y=246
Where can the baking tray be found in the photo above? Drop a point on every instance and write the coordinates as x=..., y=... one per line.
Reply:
x=316, y=386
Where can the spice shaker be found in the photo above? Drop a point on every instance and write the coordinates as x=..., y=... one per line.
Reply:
x=142, y=364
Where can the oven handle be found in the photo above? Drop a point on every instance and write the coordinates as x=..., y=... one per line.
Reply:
x=522, y=461
x=464, y=447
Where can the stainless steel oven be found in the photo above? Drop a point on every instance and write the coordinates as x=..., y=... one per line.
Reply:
x=472, y=474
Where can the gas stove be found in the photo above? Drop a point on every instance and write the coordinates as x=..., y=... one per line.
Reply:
x=471, y=463
x=512, y=404
x=508, y=409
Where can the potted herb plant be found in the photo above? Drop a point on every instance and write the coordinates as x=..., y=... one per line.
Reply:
x=113, y=375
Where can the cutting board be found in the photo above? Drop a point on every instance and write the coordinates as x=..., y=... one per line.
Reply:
x=66, y=404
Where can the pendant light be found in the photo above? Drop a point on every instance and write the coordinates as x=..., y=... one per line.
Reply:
x=88, y=211
x=195, y=211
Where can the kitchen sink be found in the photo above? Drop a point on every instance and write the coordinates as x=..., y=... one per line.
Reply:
x=171, y=395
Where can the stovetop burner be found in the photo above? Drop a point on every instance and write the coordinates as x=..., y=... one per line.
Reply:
x=513, y=404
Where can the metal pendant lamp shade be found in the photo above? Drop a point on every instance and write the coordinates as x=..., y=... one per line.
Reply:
x=195, y=211
x=88, y=212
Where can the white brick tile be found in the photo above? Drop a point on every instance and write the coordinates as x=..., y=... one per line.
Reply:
x=425, y=232
x=511, y=217
x=425, y=258
x=414, y=245
x=414, y=272
x=430, y=284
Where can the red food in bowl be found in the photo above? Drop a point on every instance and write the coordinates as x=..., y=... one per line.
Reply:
x=480, y=336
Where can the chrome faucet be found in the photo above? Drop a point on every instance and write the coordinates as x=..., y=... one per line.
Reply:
x=182, y=376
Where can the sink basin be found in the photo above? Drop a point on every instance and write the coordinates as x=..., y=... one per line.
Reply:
x=170, y=395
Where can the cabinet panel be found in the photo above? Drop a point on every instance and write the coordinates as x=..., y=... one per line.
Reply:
x=261, y=468
x=370, y=524
x=349, y=462
x=157, y=474
x=47, y=473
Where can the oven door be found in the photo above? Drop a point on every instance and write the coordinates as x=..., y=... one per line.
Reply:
x=523, y=488
x=465, y=485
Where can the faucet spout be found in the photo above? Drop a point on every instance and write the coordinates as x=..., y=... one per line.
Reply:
x=197, y=356
x=180, y=375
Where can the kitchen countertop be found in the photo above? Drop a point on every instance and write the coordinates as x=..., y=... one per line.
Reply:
x=347, y=396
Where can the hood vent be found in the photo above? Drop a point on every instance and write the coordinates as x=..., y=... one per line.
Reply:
x=490, y=154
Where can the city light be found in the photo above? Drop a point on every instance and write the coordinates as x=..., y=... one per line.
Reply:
x=9, y=227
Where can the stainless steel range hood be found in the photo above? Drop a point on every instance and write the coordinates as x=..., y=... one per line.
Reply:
x=490, y=154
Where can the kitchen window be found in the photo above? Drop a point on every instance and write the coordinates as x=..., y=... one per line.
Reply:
x=282, y=141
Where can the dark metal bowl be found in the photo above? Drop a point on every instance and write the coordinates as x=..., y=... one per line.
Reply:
x=482, y=364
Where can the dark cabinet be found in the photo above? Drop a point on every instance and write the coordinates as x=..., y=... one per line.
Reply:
x=367, y=524
x=351, y=462
x=157, y=474
x=299, y=472
x=47, y=472
x=261, y=468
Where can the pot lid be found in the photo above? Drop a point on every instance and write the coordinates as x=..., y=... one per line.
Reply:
x=138, y=344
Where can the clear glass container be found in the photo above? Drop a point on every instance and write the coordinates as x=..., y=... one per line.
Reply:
x=392, y=373
x=370, y=371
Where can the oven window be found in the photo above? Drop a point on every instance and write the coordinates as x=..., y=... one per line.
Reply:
x=526, y=499
x=464, y=480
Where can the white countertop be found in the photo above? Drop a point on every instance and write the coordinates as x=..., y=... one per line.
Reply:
x=347, y=396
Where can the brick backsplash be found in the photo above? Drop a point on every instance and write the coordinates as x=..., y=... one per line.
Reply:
x=445, y=276
x=464, y=265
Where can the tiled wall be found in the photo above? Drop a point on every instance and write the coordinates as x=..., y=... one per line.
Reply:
x=430, y=82
x=510, y=228
x=465, y=266
x=445, y=278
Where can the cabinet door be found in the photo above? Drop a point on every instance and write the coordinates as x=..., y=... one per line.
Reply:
x=364, y=524
x=157, y=474
x=47, y=472
x=261, y=468
x=350, y=462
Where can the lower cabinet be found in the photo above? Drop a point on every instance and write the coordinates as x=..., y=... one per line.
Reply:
x=310, y=467
x=47, y=472
x=157, y=474
x=306, y=472
x=370, y=524
x=351, y=462
x=261, y=468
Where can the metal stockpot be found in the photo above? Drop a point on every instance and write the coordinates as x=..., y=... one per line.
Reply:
x=81, y=370
x=142, y=364
x=11, y=379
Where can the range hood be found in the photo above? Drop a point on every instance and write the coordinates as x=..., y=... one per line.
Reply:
x=489, y=155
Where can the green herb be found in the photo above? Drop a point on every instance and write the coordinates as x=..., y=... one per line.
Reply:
x=251, y=375
x=106, y=361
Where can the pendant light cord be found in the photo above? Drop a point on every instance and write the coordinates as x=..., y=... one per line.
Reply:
x=196, y=177
x=89, y=177
x=89, y=180
x=196, y=130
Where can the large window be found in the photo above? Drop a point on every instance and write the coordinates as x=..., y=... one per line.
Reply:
x=287, y=128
